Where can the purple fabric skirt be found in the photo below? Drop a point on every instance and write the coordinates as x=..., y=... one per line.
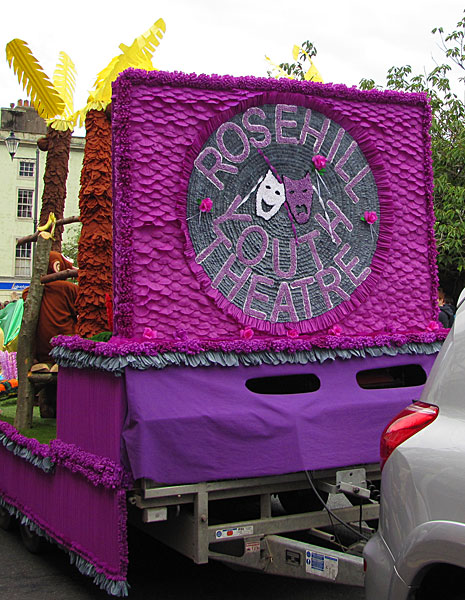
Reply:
x=186, y=425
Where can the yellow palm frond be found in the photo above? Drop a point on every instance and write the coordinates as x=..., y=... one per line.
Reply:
x=62, y=123
x=64, y=80
x=44, y=97
x=105, y=73
x=278, y=71
x=79, y=116
x=312, y=74
x=295, y=51
x=145, y=44
x=138, y=56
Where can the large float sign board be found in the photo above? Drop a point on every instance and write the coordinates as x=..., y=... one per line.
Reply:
x=276, y=206
x=288, y=243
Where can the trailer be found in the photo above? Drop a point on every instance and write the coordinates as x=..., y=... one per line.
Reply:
x=275, y=304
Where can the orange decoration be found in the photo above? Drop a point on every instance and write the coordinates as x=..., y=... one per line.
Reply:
x=95, y=243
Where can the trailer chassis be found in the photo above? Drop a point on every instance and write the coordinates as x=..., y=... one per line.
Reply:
x=302, y=545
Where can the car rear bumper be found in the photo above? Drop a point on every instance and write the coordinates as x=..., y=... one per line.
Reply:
x=382, y=581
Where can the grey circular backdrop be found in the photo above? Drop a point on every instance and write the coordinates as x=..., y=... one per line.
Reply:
x=295, y=162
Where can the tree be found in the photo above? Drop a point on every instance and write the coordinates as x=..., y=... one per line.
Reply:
x=303, y=67
x=54, y=102
x=448, y=148
x=24, y=358
x=69, y=246
x=95, y=197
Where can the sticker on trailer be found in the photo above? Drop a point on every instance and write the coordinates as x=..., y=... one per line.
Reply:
x=222, y=534
x=293, y=558
x=252, y=546
x=323, y=565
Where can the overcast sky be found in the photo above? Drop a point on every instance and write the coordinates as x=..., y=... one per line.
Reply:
x=354, y=38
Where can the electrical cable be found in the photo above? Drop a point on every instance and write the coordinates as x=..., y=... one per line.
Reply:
x=336, y=536
x=360, y=517
x=330, y=512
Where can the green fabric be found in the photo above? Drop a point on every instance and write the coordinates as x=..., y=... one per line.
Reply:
x=104, y=336
x=10, y=320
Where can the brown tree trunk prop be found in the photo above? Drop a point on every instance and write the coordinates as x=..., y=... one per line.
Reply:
x=57, y=144
x=27, y=334
x=95, y=243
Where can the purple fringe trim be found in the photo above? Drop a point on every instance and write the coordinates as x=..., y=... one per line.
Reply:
x=122, y=213
x=265, y=84
x=98, y=470
x=34, y=447
x=429, y=179
x=104, y=576
x=118, y=346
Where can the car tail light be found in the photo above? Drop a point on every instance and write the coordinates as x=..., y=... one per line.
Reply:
x=412, y=419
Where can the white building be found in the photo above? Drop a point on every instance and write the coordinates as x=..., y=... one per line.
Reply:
x=20, y=202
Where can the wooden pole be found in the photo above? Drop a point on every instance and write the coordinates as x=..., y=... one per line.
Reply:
x=66, y=274
x=27, y=334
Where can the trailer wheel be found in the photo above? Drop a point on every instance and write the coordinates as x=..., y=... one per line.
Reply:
x=33, y=542
x=7, y=521
x=301, y=501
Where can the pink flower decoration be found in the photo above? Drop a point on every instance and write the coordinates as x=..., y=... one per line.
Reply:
x=432, y=326
x=370, y=217
x=206, y=205
x=335, y=330
x=149, y=334
x=247, y=333
x=319, y=162
x=292, y=333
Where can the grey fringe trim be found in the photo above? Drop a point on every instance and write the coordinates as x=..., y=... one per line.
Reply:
x=112, y=587
x=116, y=365
x=45, y=463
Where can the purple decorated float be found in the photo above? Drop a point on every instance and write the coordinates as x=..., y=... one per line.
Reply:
x=275, y=304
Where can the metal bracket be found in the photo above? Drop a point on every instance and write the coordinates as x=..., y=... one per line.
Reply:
x=353, y=481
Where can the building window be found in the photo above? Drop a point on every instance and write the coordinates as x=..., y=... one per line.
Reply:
x=26, y=168
x=25, y=199
x=23, y=260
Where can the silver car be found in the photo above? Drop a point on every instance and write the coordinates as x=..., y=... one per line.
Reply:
x=419, y=549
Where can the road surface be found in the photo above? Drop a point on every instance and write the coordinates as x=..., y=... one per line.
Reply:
x=155, y=573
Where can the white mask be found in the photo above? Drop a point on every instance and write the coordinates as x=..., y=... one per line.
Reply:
x=270, y=197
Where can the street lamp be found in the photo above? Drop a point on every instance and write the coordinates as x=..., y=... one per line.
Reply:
x=12, y=143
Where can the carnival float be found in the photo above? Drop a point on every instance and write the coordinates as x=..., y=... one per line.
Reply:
x=273, y=305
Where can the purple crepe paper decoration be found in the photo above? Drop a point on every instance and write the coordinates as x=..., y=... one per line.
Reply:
x=99, y=471
x=123, y=347
x=56, y=537
x=122, y=113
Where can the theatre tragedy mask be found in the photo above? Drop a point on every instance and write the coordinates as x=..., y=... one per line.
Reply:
x=299, y=194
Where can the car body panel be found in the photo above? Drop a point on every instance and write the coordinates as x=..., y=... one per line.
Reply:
x=422, y=517
x=382, y=580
